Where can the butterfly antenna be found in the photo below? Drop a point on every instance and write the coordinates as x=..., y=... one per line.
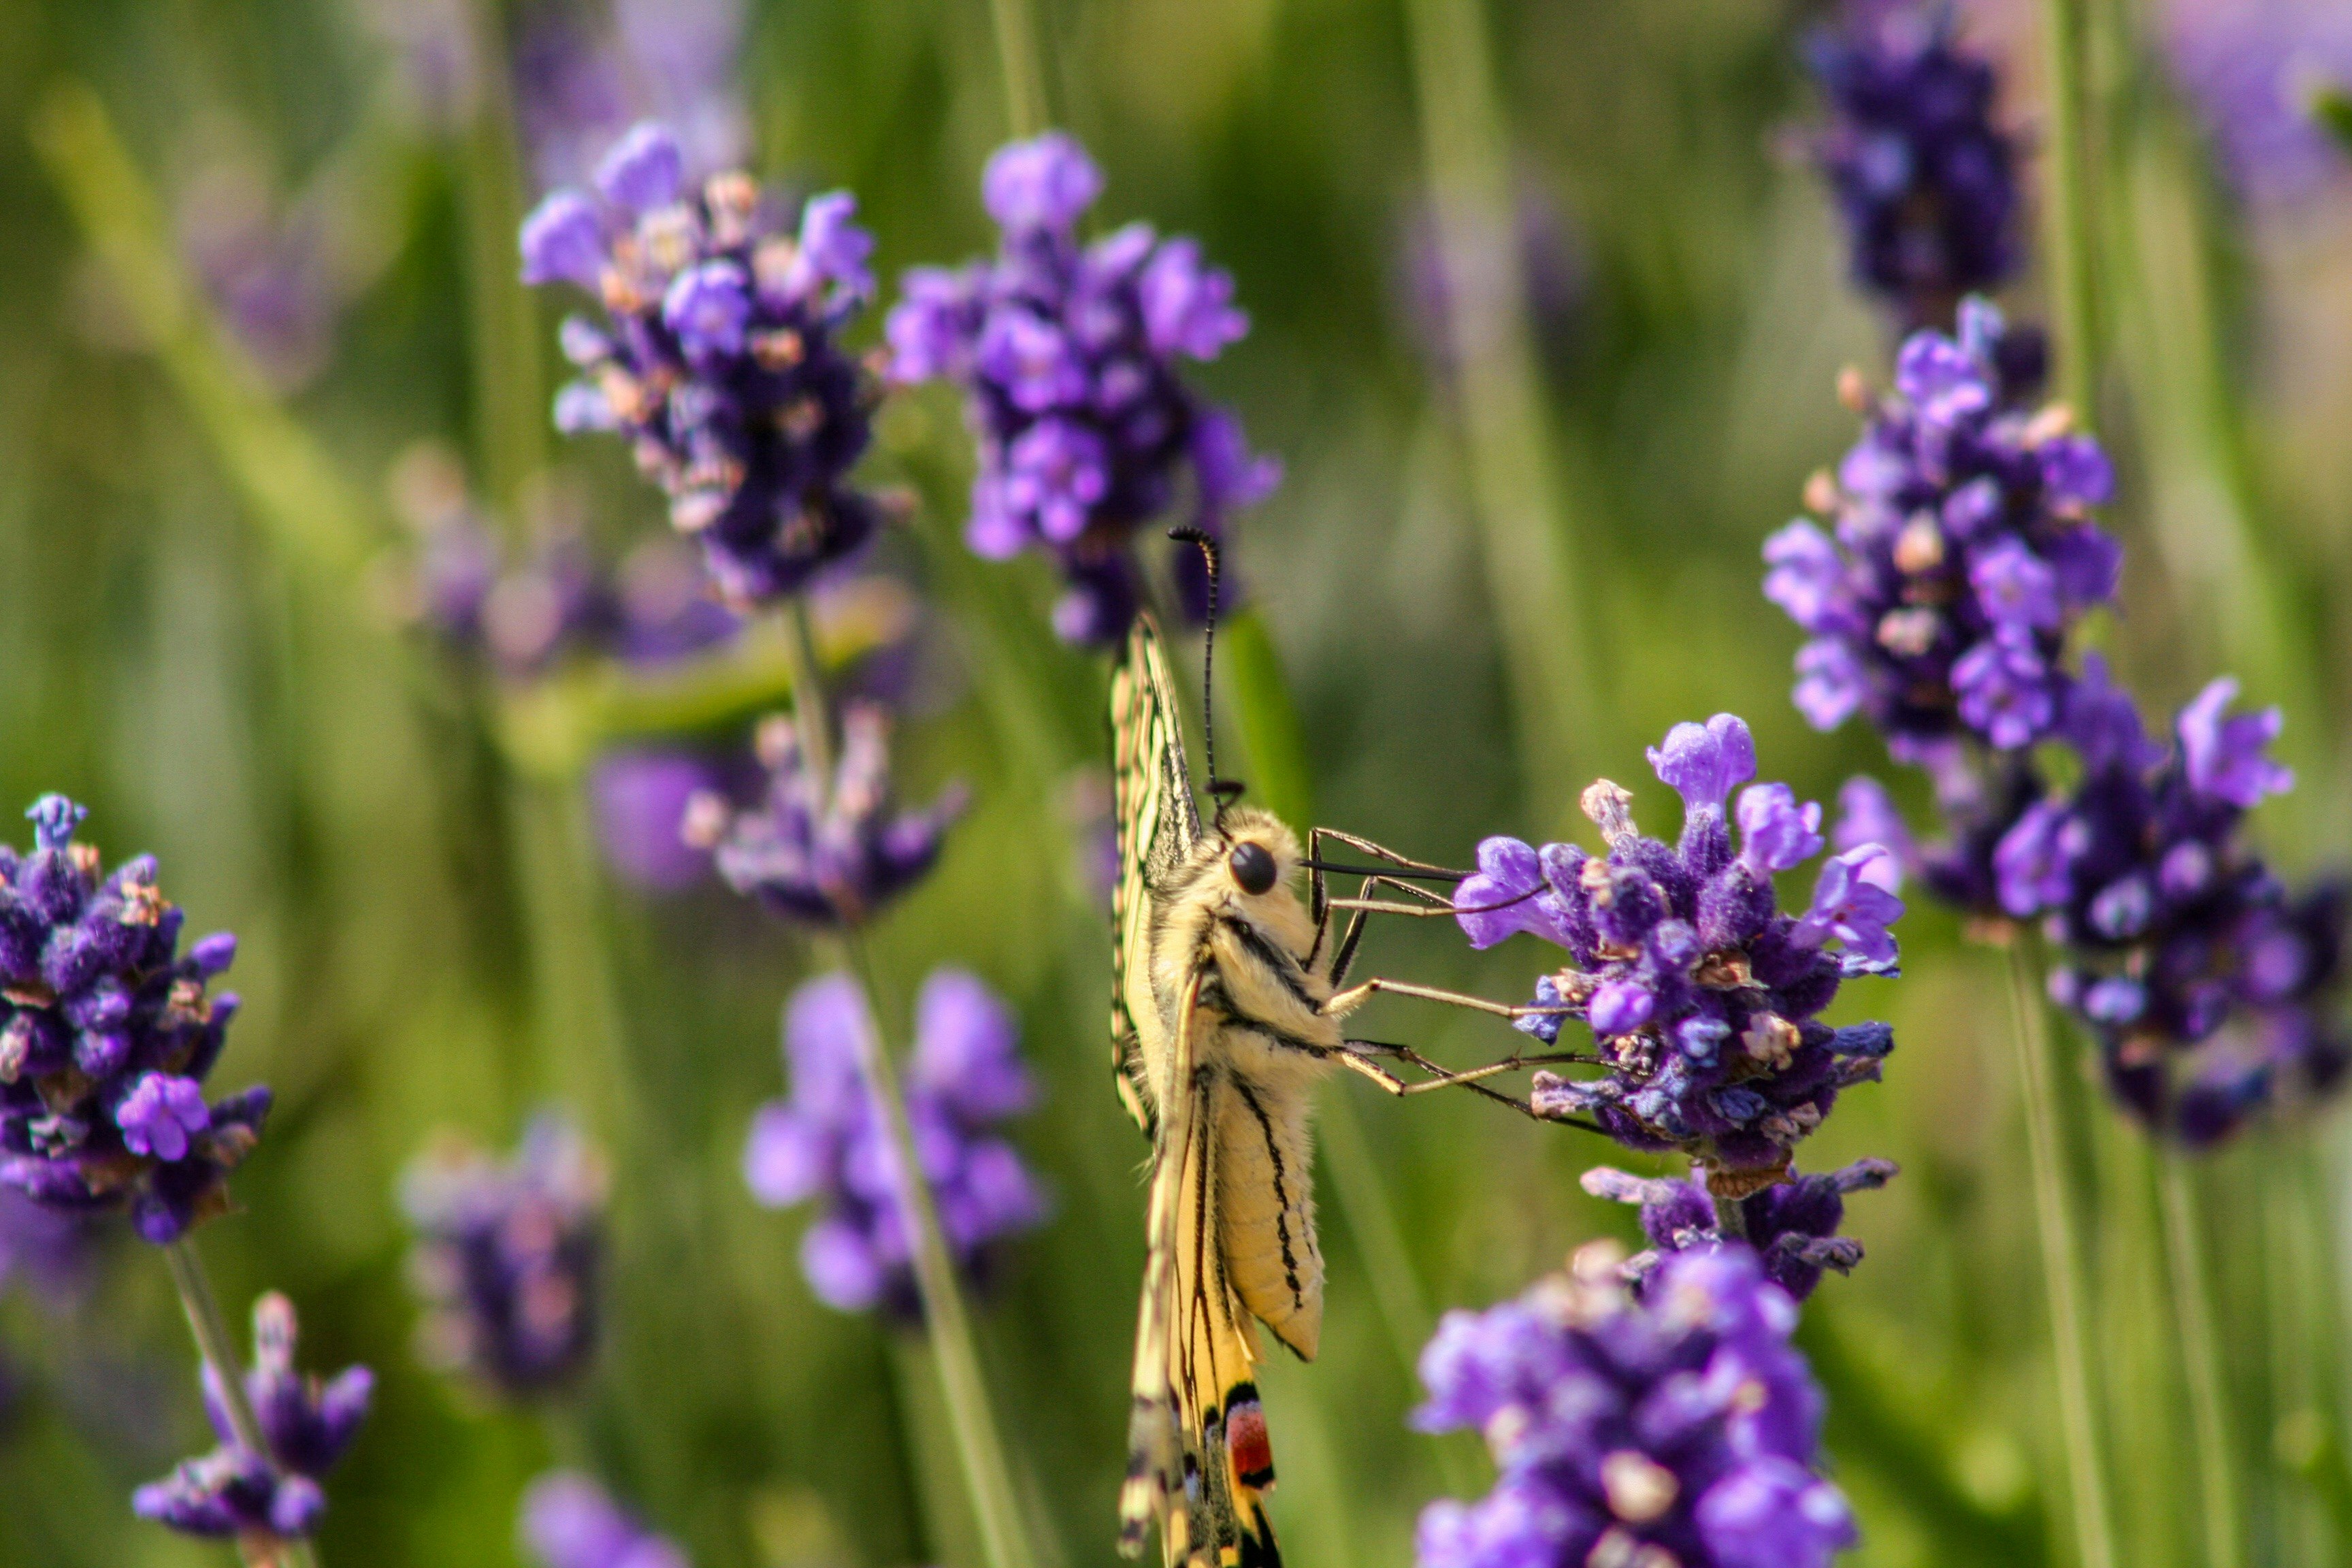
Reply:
x=1225, y=791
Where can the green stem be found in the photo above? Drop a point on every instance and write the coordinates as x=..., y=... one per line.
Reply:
x=219, y=1351
x=1003, y=1534
x=2200, y=1355
x=1016, y=54
x=812, y=718
x=2038, y=1081
x=511, y=416
x=1528, y=536
x=2067, y=220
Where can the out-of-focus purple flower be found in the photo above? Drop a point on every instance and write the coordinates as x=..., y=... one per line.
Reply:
x=509, y=1257
x=47, y=1249
x=823, y=1142
x=1701, y=993
x=1941, y=605
x=262, y=1500
x=2225, y=757
x=1679, y=1427
x=2210, y=988
x=106, y=1037
x=1792, y=1224
x=1069, y=357
x=640, y=796
x=558, y=603
x=719, y=358
x=265, y=270
x=828, y=851
x=1554, y=270
x=569, y=1521
x=1866, y=814
x=579, y=86
x=2251, y=67
x=1924, y=179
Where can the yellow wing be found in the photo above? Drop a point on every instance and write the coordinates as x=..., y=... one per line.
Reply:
x=1157, y=821
x=1198, y=1458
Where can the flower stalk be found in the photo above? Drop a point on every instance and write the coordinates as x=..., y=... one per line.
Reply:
x=2201, y=1359
x=2066, y=37
x=219, y=1351
x=2038, y=1081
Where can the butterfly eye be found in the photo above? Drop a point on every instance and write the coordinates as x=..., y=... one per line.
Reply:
x=1252, y=866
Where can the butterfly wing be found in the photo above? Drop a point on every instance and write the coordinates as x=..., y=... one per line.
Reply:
x=1157, y=822
x=1198, y=1458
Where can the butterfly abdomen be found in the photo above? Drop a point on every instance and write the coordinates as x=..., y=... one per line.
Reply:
x=1265, y=1204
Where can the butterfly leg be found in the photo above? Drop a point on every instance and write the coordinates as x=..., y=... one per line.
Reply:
x=1345, y=1002
x=1354, y=1059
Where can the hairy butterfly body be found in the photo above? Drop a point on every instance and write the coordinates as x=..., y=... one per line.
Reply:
x=1219, y=1032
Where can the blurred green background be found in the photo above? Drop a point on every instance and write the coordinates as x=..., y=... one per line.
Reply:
x=193, y=642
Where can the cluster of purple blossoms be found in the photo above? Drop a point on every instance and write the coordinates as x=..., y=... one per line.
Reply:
x=719, y=356
x=829, y=851
x=1926, y=181
x=568, y=1522
x=1792, y=1224
x=2251, y=68
x=1701, y=994
x=2206, y=983
x=1677, y=1428
x=825, y=1143
x=262, y=1500
x=1069, y=356
x=509, y=1257
x=1963, y=553
x=526, y=618
x=106, y=1037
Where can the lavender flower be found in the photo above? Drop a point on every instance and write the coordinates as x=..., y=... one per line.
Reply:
x=2207, y=984
x=1792, y=1224
x=828, y=851
x=568, y=1522
x=1069, y=357
x=1678, y=1428
x=265, y=270
x=265, y=1499
x=579, y=86
x=719, y=357
x=1962, y=555
x=2250, y=68
x=1926, y=181
x=509, y=1257
x=1701, y=994
x=824, y=1143
x=641, y=797
x=106, y=1037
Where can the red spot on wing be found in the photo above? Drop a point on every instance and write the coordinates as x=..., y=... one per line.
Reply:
x=1246, y=1439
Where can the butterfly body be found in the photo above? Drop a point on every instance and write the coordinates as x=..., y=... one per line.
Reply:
x=1220, y=1031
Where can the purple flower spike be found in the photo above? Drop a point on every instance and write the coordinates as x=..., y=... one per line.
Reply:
x=1938, y=604
x=1703, y=996
x=828, y=852
x=265, y=1499
x=1617, y=1430
x=824, y=1143
x=719, y=356
x=1070, y=358
x=1866, y=814
x=2225, y=756
x=1923, y=178
x=106, y=1037
x=509, y=1257
x=568, y=1522
x=1045, y=182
